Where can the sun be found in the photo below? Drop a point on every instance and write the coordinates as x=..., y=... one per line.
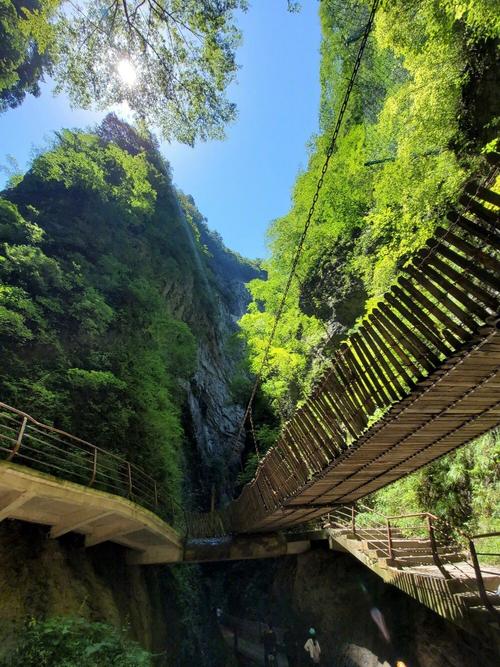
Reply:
x=127, y=72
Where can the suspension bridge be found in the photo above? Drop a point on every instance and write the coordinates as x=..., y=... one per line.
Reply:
x=417, y=379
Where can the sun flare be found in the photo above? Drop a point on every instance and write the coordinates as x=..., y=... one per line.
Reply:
x=127, y=72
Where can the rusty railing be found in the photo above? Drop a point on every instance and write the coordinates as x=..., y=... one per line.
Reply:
x=26, y=441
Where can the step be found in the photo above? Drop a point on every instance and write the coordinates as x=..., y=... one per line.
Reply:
x=380, y=531
x=491, y=583
x=401, y=543
x=474, y=599
x=427, y=551
x=409, y=561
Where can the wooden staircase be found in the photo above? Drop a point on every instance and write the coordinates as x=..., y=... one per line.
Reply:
x=435, y=571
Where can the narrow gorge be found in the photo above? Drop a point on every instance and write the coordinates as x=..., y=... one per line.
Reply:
x=214, y=460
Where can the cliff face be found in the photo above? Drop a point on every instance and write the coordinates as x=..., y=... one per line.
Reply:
x=41, y=578
x=156, y=606
x=213, y=415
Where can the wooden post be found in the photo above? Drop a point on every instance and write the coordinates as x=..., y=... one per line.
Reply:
x=353, y=520
x=480, y=582
x=20, y=435
x=389, y=539
x=432, y=538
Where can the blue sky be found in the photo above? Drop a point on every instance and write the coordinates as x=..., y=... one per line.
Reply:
x=243, y=183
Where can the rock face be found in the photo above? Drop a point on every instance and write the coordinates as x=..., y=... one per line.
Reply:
x=364, y=622
x=213, y=416
x=41, y=577
x=44, y=578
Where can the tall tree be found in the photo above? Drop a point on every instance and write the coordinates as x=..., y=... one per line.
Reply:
x=170, y=61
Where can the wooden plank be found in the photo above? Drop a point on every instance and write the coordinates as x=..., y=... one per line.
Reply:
x=310, y=441
x=337, y=382
x=315, y=426
x=383, y=398
x=476, y=190
x=386, y=358
x=442, y=297
x=488, y=235
x=351, y=388
x=326, y=410
x=435, y=309
x=366, y=390
x=340, y=407
x=472, y=252
x=472, y=268
x=403, y=345
x=479, y=210
x=419, y=312
x=455, y=291
x=463, y=279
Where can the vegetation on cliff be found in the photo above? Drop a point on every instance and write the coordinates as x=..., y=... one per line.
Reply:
x=67, y=642
x=91, y=239
x=419, y=115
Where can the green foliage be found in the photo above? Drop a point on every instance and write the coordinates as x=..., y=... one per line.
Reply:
x=68, y=642
x=181, y=55
x=87, y=238
x=182, y=52
x=399, y=163
x=26, y=35
x=463, y=488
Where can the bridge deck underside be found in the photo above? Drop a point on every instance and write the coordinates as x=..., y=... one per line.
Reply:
x=456, y=404
x=36, y=497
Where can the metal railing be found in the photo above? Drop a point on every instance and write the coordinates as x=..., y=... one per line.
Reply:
x=28, y=442
x=474, y=553
x=380, y=533
x=436, y=535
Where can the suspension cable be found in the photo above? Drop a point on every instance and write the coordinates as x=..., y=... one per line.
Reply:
x=319, y=185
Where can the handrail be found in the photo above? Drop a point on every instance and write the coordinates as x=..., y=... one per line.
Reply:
x=481, y=535
x=49, y=449
x=479, y=575
x=47, y=427
x=348, y=515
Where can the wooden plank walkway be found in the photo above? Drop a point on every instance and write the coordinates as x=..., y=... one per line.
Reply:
x=417, y=379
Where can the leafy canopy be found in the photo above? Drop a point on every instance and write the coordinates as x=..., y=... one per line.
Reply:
x=170, y=61
x=26, y=31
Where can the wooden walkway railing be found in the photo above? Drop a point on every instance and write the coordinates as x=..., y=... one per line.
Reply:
x=421, y=548
x=446, y=297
